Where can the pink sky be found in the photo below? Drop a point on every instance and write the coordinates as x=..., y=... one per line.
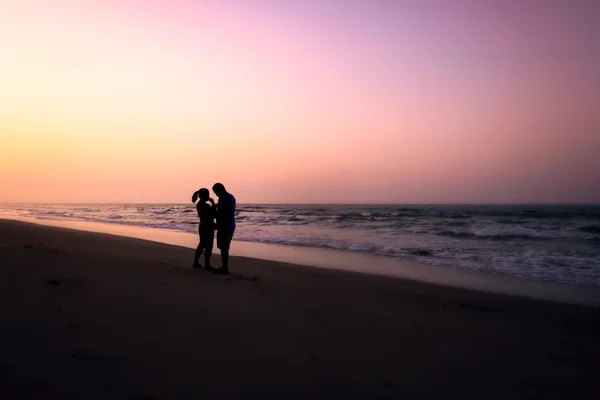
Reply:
x=393, y=102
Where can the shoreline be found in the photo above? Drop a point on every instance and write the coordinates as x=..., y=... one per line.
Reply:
x=95, y=316
x=354, y=262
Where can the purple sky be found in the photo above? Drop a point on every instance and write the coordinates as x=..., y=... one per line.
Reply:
x=301, y=101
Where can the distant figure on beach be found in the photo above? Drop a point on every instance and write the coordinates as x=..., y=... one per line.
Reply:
x=225, y=224
x=206, y=228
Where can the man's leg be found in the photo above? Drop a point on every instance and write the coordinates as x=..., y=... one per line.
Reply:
x=225, y=259
x=223, y=241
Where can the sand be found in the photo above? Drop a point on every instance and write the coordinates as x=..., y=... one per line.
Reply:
x=90, y=315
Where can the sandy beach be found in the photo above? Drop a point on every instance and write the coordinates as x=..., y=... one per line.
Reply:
x=91, y=315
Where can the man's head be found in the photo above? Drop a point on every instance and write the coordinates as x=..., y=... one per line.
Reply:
x=219, y=189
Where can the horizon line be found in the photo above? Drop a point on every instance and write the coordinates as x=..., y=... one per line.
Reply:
x=320, y=204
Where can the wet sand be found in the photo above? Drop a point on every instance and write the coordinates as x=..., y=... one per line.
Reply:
x=91, y=315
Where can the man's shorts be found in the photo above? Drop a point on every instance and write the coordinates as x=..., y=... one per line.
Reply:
x=224, y=237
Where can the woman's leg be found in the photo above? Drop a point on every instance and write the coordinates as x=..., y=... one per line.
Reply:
x=208, y=240
x=207, y=254
x=198, y=253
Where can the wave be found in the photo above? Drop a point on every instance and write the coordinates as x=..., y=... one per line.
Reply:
x=163, y=212
x=510, y=221
x=590, y=229
x=468, y=235
x=90, y=210
x=341, y=245
x=456, y=234
x=420, y=252
x=456, y=223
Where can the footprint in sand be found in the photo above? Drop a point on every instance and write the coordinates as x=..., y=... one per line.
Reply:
x=242, y=278
x=247, y=278
x=386, y=383
x=39, y=247
x=475, y=307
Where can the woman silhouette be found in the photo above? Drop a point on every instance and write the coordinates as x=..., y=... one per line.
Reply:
x=206, y=228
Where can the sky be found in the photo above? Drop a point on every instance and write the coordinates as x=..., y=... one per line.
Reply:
x=300, y=101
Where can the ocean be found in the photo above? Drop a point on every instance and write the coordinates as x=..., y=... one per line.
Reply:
x=553, y=243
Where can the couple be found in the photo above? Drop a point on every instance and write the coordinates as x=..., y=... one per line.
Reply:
x=224, y=212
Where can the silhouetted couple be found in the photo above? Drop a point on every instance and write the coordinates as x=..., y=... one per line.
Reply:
x=224, y=212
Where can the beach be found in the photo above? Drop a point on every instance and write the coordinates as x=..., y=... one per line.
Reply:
x=92, y=315
x=555, y=243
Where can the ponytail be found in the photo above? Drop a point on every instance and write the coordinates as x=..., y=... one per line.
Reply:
x=202, y=194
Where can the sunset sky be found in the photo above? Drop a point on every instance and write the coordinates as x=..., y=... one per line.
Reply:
x=300, y=101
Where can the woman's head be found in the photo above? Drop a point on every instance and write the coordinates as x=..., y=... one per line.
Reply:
x=202, y=194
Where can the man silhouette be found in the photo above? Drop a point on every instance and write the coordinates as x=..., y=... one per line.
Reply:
x=225, y=224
